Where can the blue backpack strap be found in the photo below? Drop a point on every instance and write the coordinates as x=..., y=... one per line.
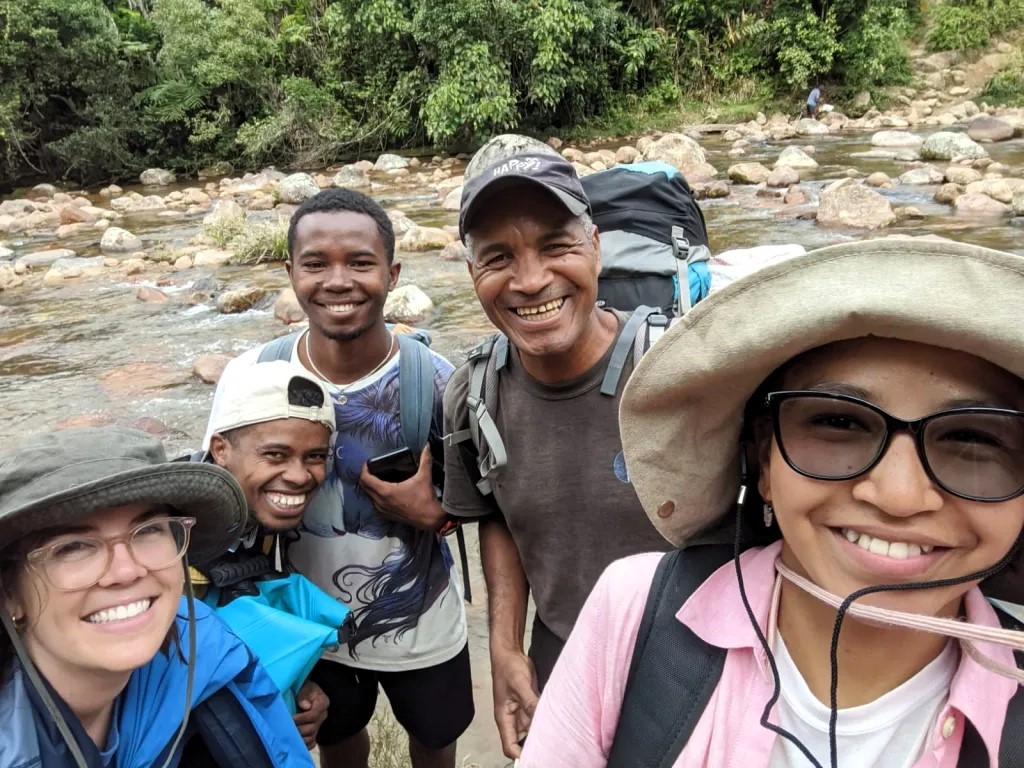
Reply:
x=673, y=672
x=623, y=345
x=415, y=391
x=278, y=349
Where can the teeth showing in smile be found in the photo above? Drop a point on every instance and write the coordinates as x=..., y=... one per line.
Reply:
x=120, y=613
x=543, y=312
x=897, y=550
x=340, y=307
x=287, y=499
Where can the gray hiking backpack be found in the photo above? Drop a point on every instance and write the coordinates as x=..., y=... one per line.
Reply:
x=487, y=456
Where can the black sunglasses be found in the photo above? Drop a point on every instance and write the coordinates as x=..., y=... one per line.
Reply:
x=975, y=453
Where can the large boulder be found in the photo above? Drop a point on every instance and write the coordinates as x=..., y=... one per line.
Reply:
x=962, y=174
x=682, y=153
x=945, y=145
x=44, y=258
x=987, y=128
x=407, y=304
x=794, y=157
x=296, y=188
x=503, y=146
x=224, y=210
x=388, y=162
x=453, y=200
x=424, y=239
x=352, y=177
x=287, y=308
x=846, y=203
x=924, y=175
x=860, y=105
x=748, y=173
x=42, y=192
x=66, y=269
x=156, y=177
x=896, y=139
x=120, y=241
x=808, y=126
x=980, y=206
x=783, y=176
x=948, y=193
x=76, y=214
x=232, y=302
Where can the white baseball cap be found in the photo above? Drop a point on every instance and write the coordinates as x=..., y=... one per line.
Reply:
x=265, y=392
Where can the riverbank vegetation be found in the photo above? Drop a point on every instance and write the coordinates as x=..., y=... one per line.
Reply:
x=99, y=89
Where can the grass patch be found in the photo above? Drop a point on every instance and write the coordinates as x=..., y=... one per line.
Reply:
x=250, y=242
x=225, y=229
x=1007, y=87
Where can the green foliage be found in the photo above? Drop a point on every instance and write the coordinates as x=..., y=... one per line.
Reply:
x=1007, y=87
x=223, y=230
x=970, y=24
x=262, y=242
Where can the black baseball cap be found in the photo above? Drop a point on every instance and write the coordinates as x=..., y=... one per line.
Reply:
x=553, y=173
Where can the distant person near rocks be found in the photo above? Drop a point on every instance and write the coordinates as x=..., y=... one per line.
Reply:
x=813, y=99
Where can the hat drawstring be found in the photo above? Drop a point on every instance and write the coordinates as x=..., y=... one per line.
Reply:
x=191, y=661
x=41, y=689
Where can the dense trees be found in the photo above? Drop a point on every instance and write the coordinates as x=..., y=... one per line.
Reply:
x=99, y=88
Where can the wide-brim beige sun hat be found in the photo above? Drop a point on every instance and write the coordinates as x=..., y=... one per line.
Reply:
x=682, y=411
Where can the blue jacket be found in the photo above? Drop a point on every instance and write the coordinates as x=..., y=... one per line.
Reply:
x=230, y=691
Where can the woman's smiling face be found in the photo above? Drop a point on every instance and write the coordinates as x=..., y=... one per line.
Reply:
x=823, y=522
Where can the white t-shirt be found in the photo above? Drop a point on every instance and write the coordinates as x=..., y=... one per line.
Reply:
x=400, y=582
x=890, y=732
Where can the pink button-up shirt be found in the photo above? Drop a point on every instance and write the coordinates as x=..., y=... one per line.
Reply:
x=576, y=719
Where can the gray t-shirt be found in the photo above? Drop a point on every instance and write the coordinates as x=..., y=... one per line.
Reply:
x=564, y=494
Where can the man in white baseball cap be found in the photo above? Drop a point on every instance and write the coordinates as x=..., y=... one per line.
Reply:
x=271, y=429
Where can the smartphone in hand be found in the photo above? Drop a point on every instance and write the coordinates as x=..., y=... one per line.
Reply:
x=393, y=467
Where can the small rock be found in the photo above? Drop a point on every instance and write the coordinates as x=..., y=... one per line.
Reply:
x=65, y=269
x=985, y=128
x=718, y=189
x=9, y=277
x=896, y=139
x=849, y=204
x=211, y=257
x=860, y=104
x=1018, y=204
x=137, y=379
x=571, y=154
x=455, y=251
x=209, y=368
x=400, y=222
x=287, y=308
x=134, y=266
x=407, y=304
x=960, y=174
x=979, y=205
x=925, y=175
x=65, y=231
x=296, y=188
x=232, y=302
x=150, y=295
x=120, y=241
x=73, y=214
x=42, y=192
x=156, y=177
x=44, y=258
x=794, y=157
x=453, y=200
x=194, y=196
x=554, y=142
x=795, y=196
x=6, y=254
x=783, y=176
x=959, y=90
x=948, y=193
x=878, y=179
x=808, y=126
x=388, y=162
x=224, y=210
x=218, y=169
x=182, y=263
x=626, y=155
x=748, y=173
x=424, y=239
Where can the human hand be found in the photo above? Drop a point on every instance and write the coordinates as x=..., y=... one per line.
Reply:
x=515, y=698
x=411, y=501
x=313, y=704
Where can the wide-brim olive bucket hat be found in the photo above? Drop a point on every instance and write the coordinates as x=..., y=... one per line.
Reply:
x=682, y=411
x=59, y=478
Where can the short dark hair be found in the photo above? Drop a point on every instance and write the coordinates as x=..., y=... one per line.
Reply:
x=304, y=393
x=339, y=200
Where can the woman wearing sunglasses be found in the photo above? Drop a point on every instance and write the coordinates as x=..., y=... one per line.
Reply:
x=102, y=661
x=859, y=413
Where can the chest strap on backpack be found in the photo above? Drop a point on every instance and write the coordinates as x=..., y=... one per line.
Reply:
x=626, y=341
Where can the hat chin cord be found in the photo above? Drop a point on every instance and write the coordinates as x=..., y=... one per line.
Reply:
x=967, y=633
x=51, y=706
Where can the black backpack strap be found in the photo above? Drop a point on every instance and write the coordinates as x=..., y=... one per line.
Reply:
x=973, y=753
x=673, y=672
x=623, y=346
x=227, y=734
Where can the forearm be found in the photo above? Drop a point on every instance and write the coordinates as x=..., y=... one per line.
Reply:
x=507, y=587
x=428, y=516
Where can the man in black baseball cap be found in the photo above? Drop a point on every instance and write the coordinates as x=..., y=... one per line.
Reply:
x=558, y=507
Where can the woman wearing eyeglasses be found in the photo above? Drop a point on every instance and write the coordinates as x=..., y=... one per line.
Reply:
x=102, y=661
x=836, y=445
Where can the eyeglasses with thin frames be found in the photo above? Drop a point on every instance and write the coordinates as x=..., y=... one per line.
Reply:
x=73, y=561
x=974, y=453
